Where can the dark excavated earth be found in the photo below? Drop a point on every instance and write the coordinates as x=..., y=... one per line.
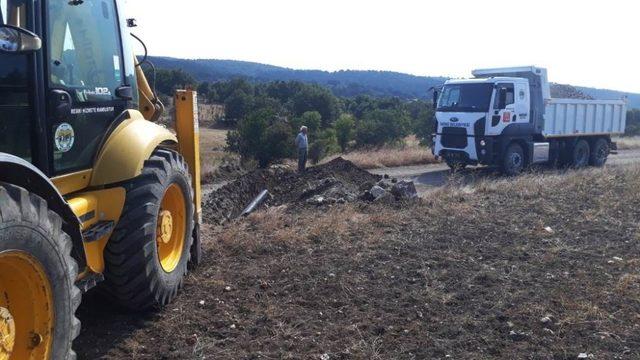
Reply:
x=337, y=179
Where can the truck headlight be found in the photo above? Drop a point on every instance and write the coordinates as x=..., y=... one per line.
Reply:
x=483, y=143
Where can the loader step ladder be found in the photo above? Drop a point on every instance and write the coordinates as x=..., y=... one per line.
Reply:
x=89, y=282
x=98, y=231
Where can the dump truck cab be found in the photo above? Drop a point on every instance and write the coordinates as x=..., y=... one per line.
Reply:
x=92, y=190
x=510, y=108
x=472, y=113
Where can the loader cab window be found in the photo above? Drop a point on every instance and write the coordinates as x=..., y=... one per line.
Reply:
x=16, y=110
x=85, y=55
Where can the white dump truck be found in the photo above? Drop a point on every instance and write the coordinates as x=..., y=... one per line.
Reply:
x=506, y=118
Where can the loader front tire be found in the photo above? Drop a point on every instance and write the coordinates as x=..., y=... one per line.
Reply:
x=37, y=280
x=146, y=258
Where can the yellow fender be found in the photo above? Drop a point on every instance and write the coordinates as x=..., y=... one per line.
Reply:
x=123, y=155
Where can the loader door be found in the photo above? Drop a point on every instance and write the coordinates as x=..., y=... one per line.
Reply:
x=85, y=79
x=16, y=84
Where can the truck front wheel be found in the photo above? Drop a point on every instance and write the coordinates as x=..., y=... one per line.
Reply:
x=580, y=155
x=599, y=153
x=513, y=161
x=456, y=165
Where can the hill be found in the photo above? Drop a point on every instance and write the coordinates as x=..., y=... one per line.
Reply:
x=347, y=83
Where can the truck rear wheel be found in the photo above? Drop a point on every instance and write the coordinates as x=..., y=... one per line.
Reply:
x=514, y=161
x=146, y=258
x=580, y=154
x=37, y=280
x=599, y=153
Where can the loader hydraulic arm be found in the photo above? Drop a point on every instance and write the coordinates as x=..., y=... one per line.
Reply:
x=150, y=106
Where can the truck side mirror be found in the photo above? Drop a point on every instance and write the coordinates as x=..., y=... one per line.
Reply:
x=15, y=40
x=435, y=99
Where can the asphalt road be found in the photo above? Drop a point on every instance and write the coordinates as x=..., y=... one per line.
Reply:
x=427, y=177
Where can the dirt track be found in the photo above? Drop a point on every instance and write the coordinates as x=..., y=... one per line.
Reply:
x=428, y=177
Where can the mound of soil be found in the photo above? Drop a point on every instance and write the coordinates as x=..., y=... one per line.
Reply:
x=338, y=179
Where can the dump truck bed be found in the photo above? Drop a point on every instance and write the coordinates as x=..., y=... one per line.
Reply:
x=569, y=117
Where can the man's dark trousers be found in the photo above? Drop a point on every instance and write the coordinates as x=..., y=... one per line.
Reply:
x=302, y=160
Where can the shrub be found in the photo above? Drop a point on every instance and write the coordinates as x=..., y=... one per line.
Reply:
x=633, y=122
x=344, y=130
x=275, y=143
x=424, y=126
x=261, y=136
x=326, y=144
x=381, y=127
x=311, y=119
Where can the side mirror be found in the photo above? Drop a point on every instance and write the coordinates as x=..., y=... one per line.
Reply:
x=435, y=99
x=15, y=40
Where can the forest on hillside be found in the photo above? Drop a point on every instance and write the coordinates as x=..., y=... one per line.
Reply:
x=346, y=83
x=265, y=116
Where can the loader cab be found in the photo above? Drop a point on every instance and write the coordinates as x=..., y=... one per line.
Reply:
x=57, y=102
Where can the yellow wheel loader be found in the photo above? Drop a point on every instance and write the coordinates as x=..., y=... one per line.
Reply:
x=92, y=190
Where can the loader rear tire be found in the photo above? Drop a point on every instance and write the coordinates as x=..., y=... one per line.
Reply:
x=37, y=280
x=146, y=258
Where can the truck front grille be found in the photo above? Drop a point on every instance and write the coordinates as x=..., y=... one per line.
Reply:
x=454, y=138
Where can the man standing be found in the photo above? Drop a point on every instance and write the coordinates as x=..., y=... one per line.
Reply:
x=302, y=144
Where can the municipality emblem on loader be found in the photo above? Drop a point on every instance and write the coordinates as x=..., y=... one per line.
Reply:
x=64, y=137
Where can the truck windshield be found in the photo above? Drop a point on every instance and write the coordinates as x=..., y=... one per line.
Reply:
x=465, y=98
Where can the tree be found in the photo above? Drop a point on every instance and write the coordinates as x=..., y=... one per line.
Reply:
x=167, y=81
x=381, y=127
x=276, y=143
x=261, y=136
x=311, y=119
x=344, y=130
x=315, y=98
x=633, y=122
x=238, y=105
x=203, y=89
x=423, y=121
x=325, y=144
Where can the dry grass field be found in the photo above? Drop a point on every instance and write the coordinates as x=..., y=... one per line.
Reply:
x=536, y=267
x=212, y=154
x=409, y=153
x=628, y=143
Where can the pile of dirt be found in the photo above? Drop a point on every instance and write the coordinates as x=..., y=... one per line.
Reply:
x=336, y=181
x=228, y=170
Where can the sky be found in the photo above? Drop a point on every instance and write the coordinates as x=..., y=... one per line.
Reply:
x=586, y=43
